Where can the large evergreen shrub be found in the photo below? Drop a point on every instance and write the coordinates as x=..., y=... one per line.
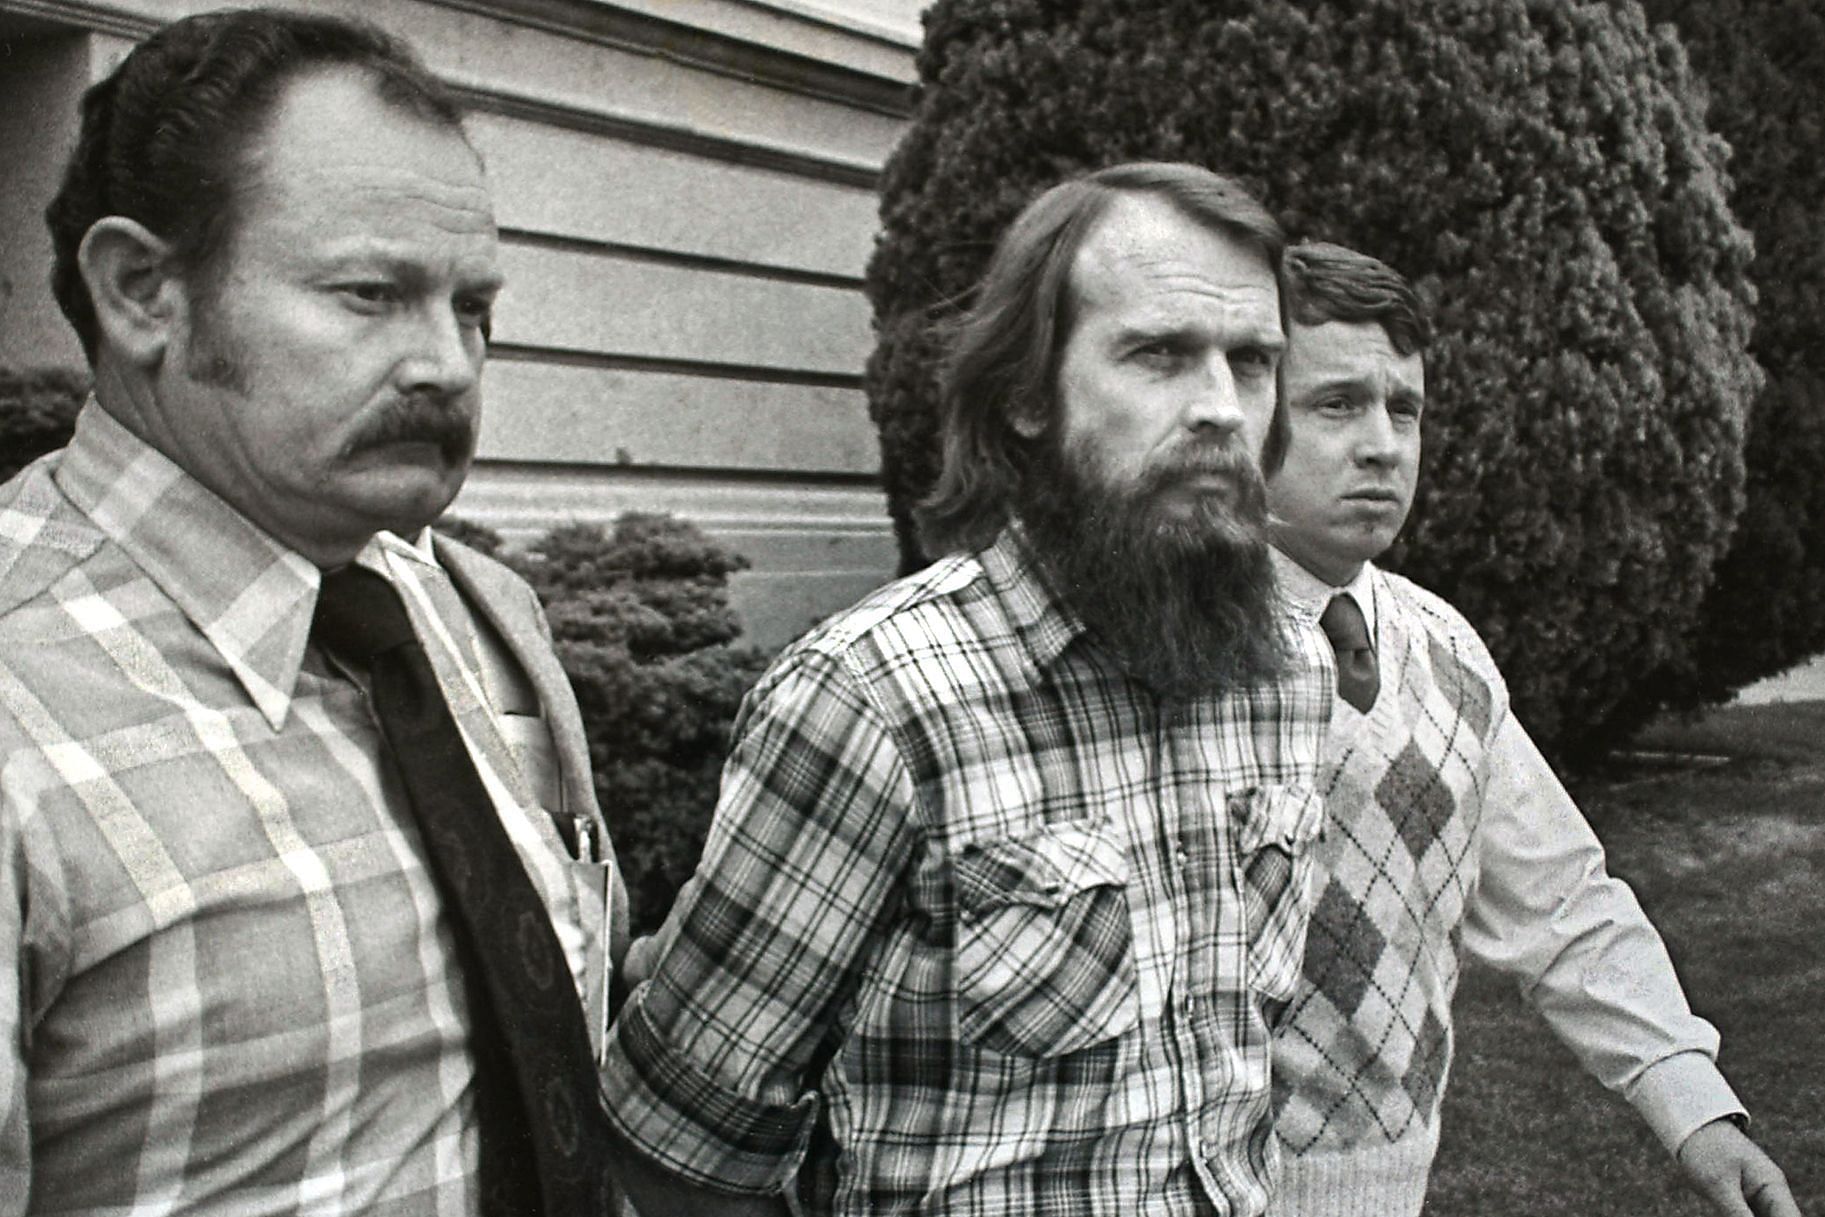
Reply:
x=1764, y=61
x=1541, y=170
x=644, y=629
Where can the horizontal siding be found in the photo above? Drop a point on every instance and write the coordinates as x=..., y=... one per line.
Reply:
x=608, y=304
x=551, y=53
x=553, y=414
x=583, y=186
x=40, y=85
x=835, y=36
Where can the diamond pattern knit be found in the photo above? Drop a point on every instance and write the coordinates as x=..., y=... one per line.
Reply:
x=1363, y=1054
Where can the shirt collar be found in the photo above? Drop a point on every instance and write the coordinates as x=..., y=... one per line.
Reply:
x=1042, y=621
x=248, y=594
x=1309, y=594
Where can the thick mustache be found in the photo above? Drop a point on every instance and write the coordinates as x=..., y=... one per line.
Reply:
x=1206, y=458
x=420, y=419
x=1228, y=460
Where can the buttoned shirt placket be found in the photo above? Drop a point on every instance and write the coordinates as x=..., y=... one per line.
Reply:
x=1194, y=818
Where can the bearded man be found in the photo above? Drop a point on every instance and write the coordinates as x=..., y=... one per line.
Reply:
x=1007, y=879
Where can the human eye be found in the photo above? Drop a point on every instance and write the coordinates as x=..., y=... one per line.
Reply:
x=476, y=311
x=368, y=295
x=1406, y=409
x=1157, y=353
x=1252, y=361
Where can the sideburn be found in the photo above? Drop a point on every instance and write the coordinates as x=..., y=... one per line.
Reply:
x=213, y=356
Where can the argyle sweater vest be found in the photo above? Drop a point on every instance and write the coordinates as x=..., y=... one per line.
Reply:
x=1361, y=1057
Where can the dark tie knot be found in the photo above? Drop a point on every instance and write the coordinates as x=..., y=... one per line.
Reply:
x=1344, y=625
x=359, y=615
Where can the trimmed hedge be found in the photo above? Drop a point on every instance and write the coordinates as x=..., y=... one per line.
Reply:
x=644, y=629
x=1544, y=174
x=1764, y=61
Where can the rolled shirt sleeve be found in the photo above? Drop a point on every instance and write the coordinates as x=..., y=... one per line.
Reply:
x=1547, y=911
x=708, y=1068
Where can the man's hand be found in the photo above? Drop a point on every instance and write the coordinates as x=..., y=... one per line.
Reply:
x=1734, y=1174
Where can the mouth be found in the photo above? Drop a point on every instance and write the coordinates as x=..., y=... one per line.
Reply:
x=1373, y=494
x=428, y=450
x=442, y=451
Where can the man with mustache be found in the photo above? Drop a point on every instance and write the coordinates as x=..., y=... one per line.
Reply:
x=303, y=886
x=1446, y=828
x=1007, y=879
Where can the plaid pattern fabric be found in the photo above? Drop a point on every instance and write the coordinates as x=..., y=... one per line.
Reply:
x=1365, y=1050
x=233, y=989
x=979, y=928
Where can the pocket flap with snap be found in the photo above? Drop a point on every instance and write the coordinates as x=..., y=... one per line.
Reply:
x=1289, y=815
x=1043, y=869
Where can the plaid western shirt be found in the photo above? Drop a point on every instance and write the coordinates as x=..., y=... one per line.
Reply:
x=983, y=927
x=231, y=985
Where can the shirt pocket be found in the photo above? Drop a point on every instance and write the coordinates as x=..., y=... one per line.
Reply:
x=1275, y=828
x=529, y=740
x=1045, y=944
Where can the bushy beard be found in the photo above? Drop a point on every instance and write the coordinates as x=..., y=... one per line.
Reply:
x=1187, y=604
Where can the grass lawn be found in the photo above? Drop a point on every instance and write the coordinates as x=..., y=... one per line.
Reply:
x=1729, y=860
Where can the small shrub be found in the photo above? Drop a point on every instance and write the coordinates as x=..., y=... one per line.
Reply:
x=643, y=627
x=37, y=411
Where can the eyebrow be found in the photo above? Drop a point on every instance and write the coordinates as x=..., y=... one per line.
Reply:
x=1355, y=385
x=407, y=269
x=1270, y=340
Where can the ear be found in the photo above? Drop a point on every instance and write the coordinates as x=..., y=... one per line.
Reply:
x=138, y=293
x=1027, y=420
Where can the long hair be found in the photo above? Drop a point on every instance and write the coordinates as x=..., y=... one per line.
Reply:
x=1320, y=282
x=165, y=137
x=1002, y=352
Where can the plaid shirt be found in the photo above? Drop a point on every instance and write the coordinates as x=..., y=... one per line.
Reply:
x=983, y=927
x=232, y=987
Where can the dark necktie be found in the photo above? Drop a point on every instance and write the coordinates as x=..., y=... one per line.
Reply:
x=543, y=1131
x=1358, y=681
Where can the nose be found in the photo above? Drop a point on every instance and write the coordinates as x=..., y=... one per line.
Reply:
x=1213, y=402
x=1376, y=443
x=445, y=354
